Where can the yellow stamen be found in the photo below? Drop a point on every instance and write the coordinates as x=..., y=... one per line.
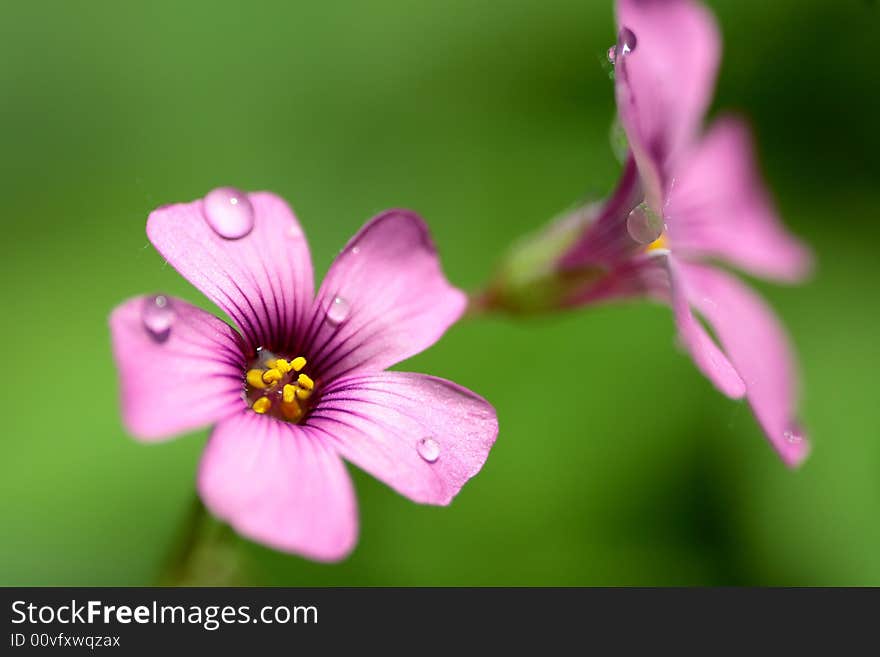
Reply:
x=272, y=376
x=286, y=389
x=659, y=243
x=262, y=405
x=255, y=379
x=291, y=410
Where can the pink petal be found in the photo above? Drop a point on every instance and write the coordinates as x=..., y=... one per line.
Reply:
x=188, y=377
x=718, y=207
x=281, y=485
x=384, y=299
x=263, y=280
x=606, y=241
x=664, y=84
x=423, y=436
x=708, y=357
x=759, y=349
x=640, y=276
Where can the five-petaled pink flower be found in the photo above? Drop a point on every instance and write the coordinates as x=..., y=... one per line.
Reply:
x=302, y=385
x=685, y=200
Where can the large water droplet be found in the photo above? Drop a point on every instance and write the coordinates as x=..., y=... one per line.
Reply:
x=643, y=224
x=229, y=212
x=626, y=41
x=157, y=316
x=338, y=311
x=429, y=449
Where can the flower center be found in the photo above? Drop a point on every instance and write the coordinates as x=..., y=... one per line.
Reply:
x=278, y=387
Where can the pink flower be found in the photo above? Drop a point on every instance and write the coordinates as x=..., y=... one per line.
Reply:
x=687, y=200
x=303, y=384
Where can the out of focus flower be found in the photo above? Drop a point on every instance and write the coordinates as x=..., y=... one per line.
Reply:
x=686, y=201
x=302, y=384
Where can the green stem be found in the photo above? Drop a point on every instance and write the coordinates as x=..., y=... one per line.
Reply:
x=478, y=304
x=205, y=553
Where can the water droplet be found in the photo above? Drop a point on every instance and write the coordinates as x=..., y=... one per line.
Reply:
x=626, y=39
x=612, y=54
x=229, y=212
x=429, y=449
x=793, y=436
x=157, y=316
x=644, y=225
x=337, y=311
x=355, y=249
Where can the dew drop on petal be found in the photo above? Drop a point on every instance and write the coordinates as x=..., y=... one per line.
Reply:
x=338, y=311
x=355, y=249
x=612, y=54
x=157, y=316
x=627, y=41
x=429, y=449
x=643, y=224
x=794, y=436
x=229, y=212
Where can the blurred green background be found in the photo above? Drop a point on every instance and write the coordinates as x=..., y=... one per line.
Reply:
x=488, y=118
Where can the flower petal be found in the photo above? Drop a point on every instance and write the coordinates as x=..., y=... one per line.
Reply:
x=708, y=357
x=423, y=436
x=645, y=275
x=718, y=206
x=175, y=381
x=264, y=280
x=759, y=349
x=606, y=241
x=664, y=83
x=384, y=299
x=279, y=484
